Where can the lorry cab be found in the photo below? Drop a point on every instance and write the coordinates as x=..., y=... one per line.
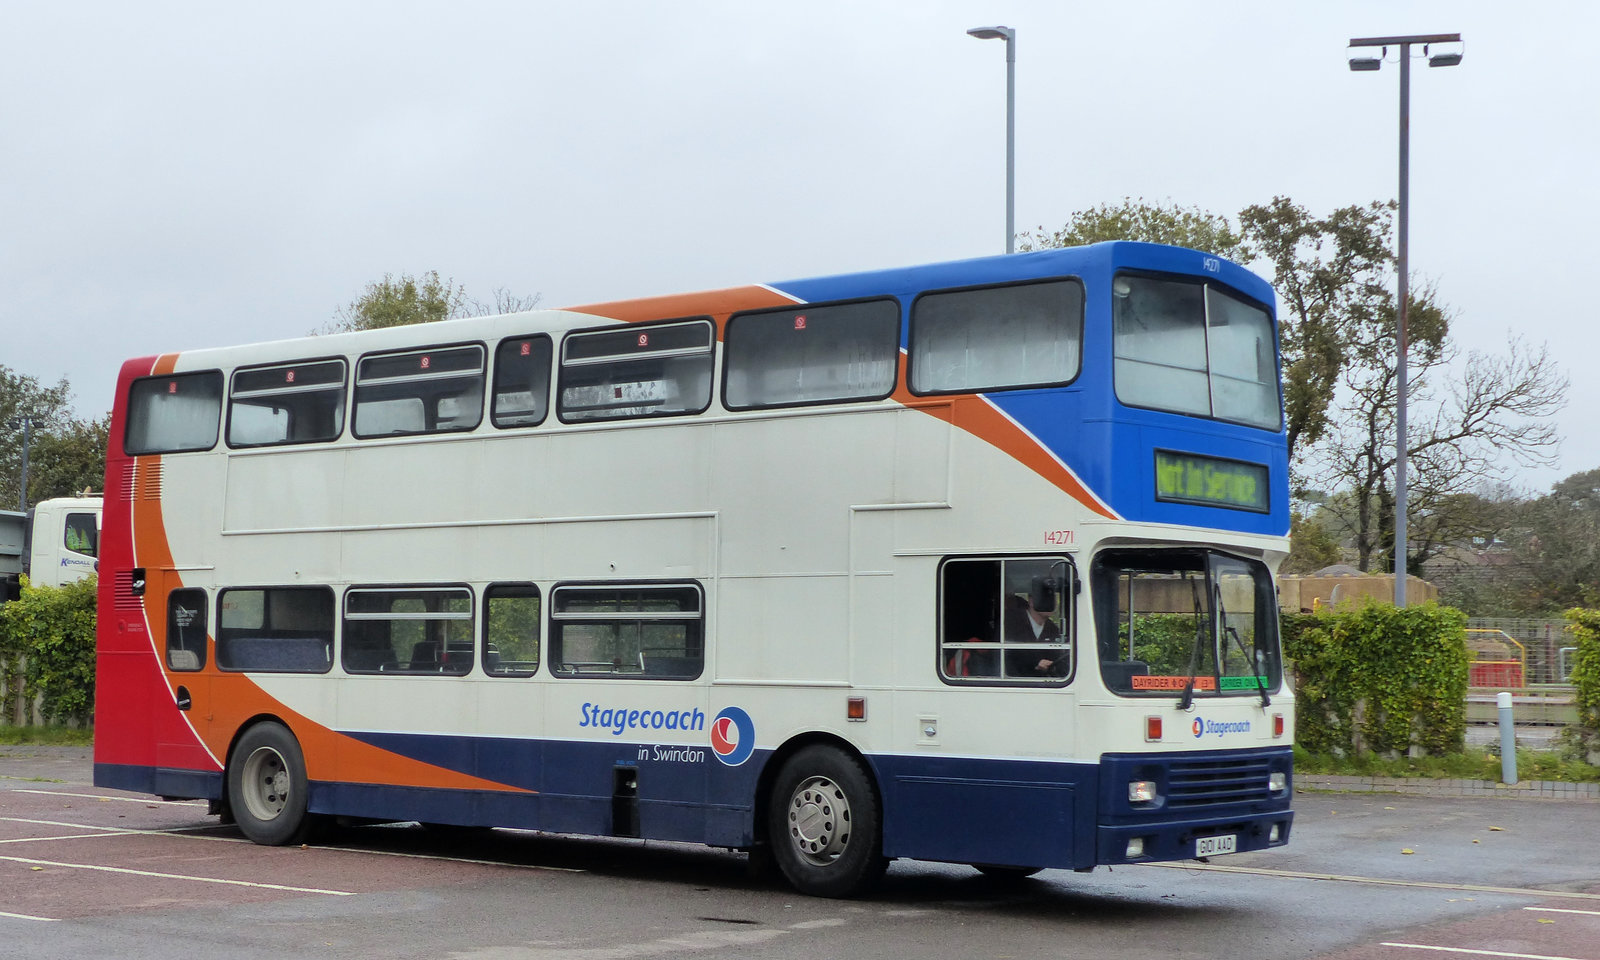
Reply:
x=63, y=540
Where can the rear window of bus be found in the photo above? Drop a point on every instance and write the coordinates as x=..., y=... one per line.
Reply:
x=174, y=414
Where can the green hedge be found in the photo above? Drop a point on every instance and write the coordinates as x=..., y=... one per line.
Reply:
x=1379, y=678
x=47, y=643
x=1585, y=627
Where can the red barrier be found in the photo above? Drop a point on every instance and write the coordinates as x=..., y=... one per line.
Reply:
x=1502, y=674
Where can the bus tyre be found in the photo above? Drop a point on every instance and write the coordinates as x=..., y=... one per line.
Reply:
x=267, y=786
x=825, y=824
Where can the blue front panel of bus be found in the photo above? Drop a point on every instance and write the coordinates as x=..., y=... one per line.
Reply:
x=1041, y=814
x=1006, y=812
x=1198, y=795
x=1110, y=446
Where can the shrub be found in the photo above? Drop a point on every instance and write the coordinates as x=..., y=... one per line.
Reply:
x=1380, y=678
x=1585, y=628
x=51, y=629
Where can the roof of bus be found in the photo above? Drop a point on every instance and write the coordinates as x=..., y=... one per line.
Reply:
x=896, y=281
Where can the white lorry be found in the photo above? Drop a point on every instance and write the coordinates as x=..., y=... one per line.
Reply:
x=55, y=543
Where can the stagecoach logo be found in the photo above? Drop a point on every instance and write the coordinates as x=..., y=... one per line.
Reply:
x=1212, y=728
x=733, y=736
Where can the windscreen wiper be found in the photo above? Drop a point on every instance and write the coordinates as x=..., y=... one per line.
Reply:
x=1261, y=683
x=1194, y=652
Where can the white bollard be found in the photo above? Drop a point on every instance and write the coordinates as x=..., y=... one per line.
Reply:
x=1508, y=740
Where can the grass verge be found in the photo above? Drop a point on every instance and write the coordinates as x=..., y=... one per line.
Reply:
x=45, y=736
x=1470, y=764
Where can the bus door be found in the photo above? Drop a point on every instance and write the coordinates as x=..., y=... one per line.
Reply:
x=178, y=618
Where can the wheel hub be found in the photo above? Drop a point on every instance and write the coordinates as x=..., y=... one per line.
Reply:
x=819, y=820
x=266, y=784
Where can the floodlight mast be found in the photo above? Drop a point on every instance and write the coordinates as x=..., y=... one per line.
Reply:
x=1009, y=35
x=1373, y=63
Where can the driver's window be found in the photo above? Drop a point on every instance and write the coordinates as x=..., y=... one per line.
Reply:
x=1006, y=620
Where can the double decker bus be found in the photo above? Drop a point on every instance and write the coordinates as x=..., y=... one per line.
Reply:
x=968, y=562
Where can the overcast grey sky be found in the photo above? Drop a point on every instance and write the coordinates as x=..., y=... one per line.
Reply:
x=181, y=175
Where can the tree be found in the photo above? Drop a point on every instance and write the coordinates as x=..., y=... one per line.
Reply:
x=69, y=460
x=1332, y=277
x=45, y=409
x=1553, y=560
x=1313, y=544
x=1494, y=414
x=504, y=302
x=1479, y=571
x=398, y=301
x=1150, y=222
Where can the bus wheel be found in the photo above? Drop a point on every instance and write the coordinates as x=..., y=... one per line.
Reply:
x=825, y=824
x=1005, y=873
x=267, y=786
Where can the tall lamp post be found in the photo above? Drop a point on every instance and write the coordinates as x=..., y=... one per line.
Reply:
x=1010, y=37
x=24, y=422
x=1373, y=63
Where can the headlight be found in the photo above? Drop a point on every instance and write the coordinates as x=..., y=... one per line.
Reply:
x=1277, y=781
x=1141, y=791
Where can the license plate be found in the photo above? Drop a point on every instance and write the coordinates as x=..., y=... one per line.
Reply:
x=1212, y=846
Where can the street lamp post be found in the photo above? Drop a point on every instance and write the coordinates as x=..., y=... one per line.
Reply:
x=1010, y=37
x=1373, y=63
x=24, y=422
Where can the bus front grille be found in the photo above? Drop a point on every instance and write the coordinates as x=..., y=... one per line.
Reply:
x=1205, y=783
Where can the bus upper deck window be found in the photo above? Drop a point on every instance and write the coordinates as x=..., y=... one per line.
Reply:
x=287, y=403
x=521, y=381
x=174, y=414
x=817, y=353
x=997, y=338
x=1191, y=348
x=659, y=370
x=429, y=390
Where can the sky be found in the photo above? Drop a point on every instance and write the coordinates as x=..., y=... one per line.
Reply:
x=186, y=175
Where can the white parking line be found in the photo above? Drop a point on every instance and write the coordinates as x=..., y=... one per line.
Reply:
x=1586, y=913
x=434, y=856
x=176, y=876
x=24, y=916
x=72, y=836
x=99, y=831
x=1477, y=953
x=101, y=796
x=1379, y=881
x=189, y=833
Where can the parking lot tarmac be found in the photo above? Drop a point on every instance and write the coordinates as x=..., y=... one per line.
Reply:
x=86, y=872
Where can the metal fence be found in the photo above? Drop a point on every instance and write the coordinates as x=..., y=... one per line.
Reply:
x=1530, y=659
x=1544, y=647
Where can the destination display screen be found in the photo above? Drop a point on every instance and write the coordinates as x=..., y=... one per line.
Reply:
x=1210, y=481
